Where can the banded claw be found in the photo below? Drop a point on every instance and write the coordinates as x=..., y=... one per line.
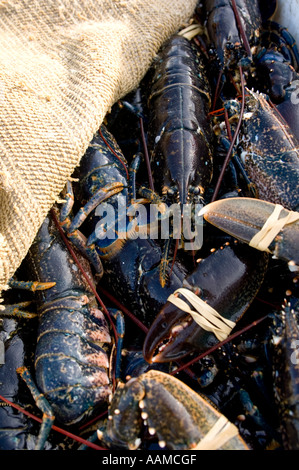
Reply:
x=228, y=281
x=172, y=413
x=243, y=218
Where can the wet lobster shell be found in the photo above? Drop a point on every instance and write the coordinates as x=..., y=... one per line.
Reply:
x=71, y=364
x=224, y=31
x=15, y=427
x=174, y=413
x=276, y=71
x=285, y=363
x=228, y=280
x=135, y=274
x=244, y=217
x=179, y=133
x=269, y=152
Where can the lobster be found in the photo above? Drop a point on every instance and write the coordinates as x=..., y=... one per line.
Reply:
x=179, y=134
x=72, y=353
x=168, y=411
x=267, y=149
x=233, y=28
x=247, y=43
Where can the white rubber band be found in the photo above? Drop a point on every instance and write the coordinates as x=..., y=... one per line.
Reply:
x=204, y=315
x=191, y=31
x=273, y=225
x=222, y=432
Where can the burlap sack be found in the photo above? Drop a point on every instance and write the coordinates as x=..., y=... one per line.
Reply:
x=63, y=64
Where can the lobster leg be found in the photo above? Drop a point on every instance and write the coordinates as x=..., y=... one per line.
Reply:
x=120, y=330
x=162, y=212
x=43, y=405
x=16, y=310
x=71, y=227
x=99, y=196
x=286, y=43
x=31, y=285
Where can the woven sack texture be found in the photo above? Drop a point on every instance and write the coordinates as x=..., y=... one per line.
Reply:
x=63, y=64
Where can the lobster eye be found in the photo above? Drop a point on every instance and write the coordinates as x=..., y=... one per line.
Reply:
x=194, y=190
x=172, y=190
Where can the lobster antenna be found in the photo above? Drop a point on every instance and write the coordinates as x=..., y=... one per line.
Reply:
x=114, y=153
x=147, y=160
x=227, y=124
x=241, y=29
x=227, y=158
x=217, y=90
x=55, y=428
x=218, y=345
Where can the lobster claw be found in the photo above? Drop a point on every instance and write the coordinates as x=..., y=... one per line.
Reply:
x=169, y=336
x=244, y=218
x=218, y=293
x=168, y=412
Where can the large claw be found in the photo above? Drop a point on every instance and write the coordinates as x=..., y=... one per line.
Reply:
x=173, y=413
x=243, y=218
x=228, y=281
